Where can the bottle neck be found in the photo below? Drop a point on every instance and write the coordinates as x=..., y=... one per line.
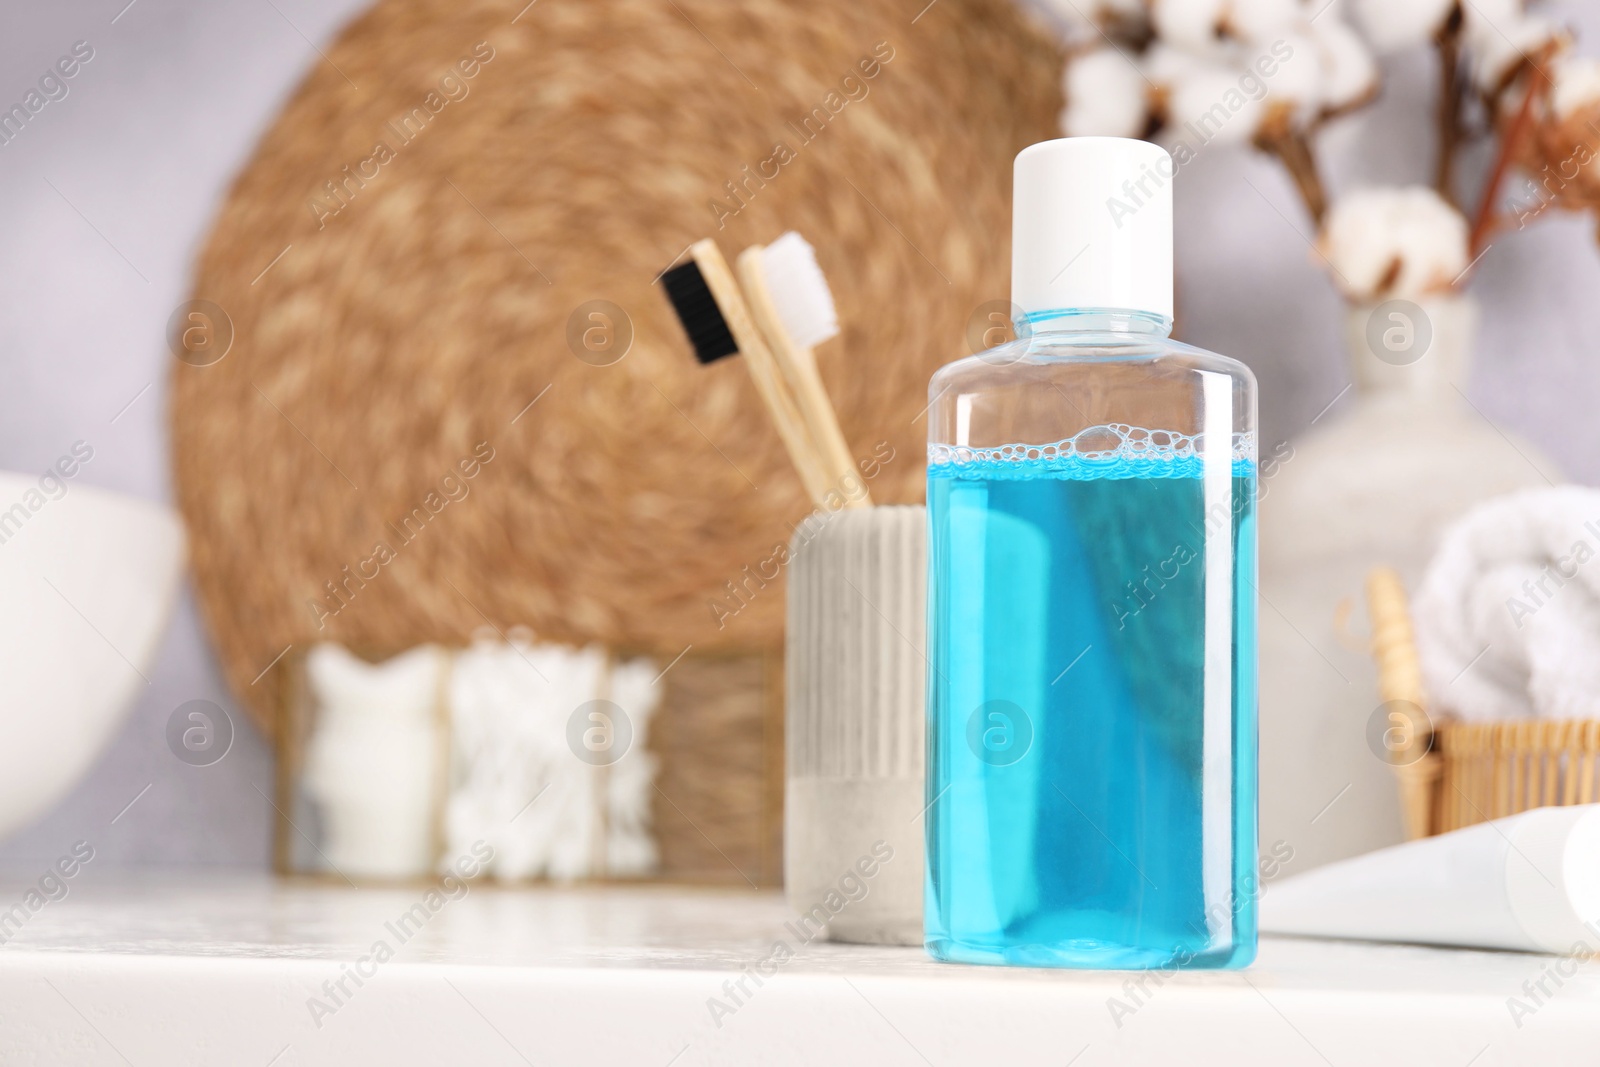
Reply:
x=1092, y=320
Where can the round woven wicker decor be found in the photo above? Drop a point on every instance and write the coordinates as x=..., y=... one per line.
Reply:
x=407, y=264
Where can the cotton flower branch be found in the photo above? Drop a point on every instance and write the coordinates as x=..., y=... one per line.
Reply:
x=1448, y=106
x=1384, y=243
x=1292, y=148
x=1486, y=219
x=1271, y=73
x=1556, y=141
x=1194, y=73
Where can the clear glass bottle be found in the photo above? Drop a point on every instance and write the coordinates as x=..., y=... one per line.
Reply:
x=1092, y=624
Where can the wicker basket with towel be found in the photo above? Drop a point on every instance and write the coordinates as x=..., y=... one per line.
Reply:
x=1491, y=676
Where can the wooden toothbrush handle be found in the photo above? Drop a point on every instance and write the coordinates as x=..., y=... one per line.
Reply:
x=799, y=369
x=763, y=368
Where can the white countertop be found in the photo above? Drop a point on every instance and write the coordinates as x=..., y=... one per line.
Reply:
x=224, y=971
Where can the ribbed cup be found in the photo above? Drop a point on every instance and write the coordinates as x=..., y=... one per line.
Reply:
x=855, y=675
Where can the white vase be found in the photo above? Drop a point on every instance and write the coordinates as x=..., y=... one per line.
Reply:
x=1373, y=483
x=855, y=671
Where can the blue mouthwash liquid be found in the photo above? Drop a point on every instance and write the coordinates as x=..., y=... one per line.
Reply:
x=1091, y=753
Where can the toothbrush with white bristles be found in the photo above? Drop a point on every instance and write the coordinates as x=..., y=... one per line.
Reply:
x=716, y=316
x=791, y=303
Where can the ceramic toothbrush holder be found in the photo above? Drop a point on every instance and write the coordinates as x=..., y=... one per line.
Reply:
x=853, y=840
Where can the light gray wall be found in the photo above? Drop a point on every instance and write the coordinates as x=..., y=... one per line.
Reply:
x=108, y=192
x=143, y=146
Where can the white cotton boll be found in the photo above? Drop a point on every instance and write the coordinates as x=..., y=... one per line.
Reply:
x=1188, y=23
x=1394, y=25
x=1349, y=73
x=1208, y=106
x=1499, y=36
x=1165, y=65
x=1497, y=55
x=1299, y=78
x=1501, y=13
x=1394, y=242
x=1262, y=20
x=1105, y=96
x=1577, y=86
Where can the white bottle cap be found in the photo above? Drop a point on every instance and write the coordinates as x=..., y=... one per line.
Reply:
x=1091, y=226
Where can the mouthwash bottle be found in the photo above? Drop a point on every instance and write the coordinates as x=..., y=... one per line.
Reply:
x=1091, y=601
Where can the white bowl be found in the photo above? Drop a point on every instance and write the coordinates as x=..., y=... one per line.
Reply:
x=87, y=582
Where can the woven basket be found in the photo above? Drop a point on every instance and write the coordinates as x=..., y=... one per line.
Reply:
x=1455, y=774
x=389, y=316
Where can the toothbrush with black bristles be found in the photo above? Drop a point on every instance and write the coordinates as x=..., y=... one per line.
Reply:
x=714, y=314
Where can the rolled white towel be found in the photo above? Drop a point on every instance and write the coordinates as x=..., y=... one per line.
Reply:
x=1508, y=615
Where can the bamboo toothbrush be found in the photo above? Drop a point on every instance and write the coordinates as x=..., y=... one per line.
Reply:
x=791, y=302
x=714, y=314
